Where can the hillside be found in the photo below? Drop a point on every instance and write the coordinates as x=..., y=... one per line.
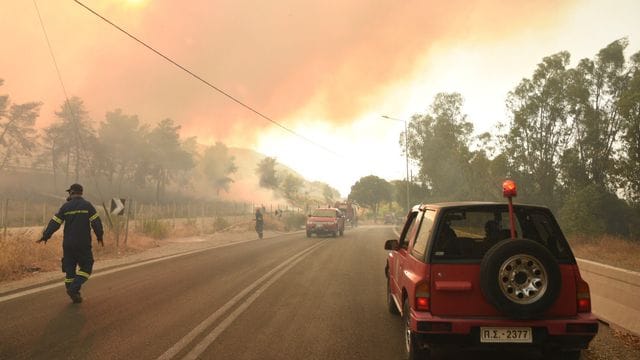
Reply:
x=39, y=184
x=245, y=186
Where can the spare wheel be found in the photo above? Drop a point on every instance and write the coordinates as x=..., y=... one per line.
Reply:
x=520, y=278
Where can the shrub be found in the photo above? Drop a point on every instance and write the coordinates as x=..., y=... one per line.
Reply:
x=220, y=224
x=596, y=212
x=155, y=229
x=294, y=221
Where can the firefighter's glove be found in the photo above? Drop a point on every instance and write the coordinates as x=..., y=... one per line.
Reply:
x=101, y=242
x=42, y=239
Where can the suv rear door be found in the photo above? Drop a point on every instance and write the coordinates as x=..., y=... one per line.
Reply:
x=463, y=235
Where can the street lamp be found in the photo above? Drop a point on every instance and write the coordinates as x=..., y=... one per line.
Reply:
x=406, y=153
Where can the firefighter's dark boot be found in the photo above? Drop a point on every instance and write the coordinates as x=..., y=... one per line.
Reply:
x=75, y=296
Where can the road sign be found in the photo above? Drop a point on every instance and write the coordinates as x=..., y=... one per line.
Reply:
x=117, y=206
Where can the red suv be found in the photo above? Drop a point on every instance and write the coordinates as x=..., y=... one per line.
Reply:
x=324, y=221
x=487, y=275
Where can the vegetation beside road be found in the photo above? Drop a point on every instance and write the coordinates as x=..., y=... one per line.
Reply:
x=20, y=256
x=610, y=250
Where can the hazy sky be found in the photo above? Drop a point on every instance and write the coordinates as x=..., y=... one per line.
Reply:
x=327, y=70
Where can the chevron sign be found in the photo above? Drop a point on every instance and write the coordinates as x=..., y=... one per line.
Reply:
x=117, y=206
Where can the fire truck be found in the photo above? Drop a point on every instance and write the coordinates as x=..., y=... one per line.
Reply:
x=350, y=211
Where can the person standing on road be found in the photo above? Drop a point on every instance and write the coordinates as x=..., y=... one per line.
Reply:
x=259, y=223
x=79, y=217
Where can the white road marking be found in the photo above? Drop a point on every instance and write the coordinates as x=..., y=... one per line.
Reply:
x=630, y=272
x=276, y=273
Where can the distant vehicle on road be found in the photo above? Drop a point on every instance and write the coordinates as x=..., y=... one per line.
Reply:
x=350, y=211
x=487, y=275
x=324, y=221
x=389, y=218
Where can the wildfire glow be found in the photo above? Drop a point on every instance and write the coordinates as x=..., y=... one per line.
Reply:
x=135, y=3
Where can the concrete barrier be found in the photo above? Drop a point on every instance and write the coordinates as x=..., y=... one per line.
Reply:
x=615, y=294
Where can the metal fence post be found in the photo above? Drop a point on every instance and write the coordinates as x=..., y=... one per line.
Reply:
x=5, y=217
x=24, y=214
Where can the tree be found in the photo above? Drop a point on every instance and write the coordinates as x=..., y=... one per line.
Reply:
x=70, y=140
x=166, y=156
x=217, y=165
x=594, y=89
x=605, y=213
x=439, y=141
x=291, y=185
x=539, y=131
x=629, y=106
x=120, y=143
x=370, y=191
x=17, y=133
x=330, y=194
x=266, y=170
x=418, y=193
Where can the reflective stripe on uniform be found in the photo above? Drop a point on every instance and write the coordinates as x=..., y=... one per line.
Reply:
x=95, y=216
x=67, y=280
x=73, y=212
x=83, y=274
x=56, y=219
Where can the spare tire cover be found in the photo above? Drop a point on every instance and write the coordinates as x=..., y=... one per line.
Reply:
x=520, y=278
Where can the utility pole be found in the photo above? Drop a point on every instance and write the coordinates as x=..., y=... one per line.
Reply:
x=406, y=154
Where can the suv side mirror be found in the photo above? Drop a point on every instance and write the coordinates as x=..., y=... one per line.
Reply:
x=391, y=244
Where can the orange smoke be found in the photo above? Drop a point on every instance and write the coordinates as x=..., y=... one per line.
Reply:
x=276, y=56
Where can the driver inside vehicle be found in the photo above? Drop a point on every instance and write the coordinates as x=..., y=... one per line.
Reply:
x=448, y=240
x=492, y=232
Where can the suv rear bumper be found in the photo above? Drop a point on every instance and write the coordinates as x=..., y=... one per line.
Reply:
x=565, y=333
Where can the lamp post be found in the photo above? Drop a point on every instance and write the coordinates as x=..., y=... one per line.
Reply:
x=406, y=153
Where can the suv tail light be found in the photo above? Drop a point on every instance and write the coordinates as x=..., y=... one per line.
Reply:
x=583, y=296
x=423, y=296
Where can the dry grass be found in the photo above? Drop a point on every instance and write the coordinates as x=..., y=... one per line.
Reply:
x=610, y=250
x=21, y=256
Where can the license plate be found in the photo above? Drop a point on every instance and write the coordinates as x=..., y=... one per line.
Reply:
x=505, y=335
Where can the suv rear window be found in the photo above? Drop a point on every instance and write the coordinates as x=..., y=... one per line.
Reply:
x=324, y=213
x=467, y=233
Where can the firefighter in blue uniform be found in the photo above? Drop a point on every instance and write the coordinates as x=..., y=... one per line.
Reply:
x=79, y=217
x=259, y=223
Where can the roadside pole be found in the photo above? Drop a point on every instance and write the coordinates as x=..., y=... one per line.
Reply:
x=126, y=226
x=5, y=217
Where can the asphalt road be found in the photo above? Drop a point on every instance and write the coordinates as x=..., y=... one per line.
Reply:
x=287, y=297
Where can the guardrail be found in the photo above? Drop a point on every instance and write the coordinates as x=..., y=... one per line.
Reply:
x=615, y=294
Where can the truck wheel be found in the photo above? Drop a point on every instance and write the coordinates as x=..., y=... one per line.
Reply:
x=414, y=350
x=520, y=278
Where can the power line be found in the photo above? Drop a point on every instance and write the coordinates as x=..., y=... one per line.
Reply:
x=231, y=97
x=64, y=91
x=55, y=63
